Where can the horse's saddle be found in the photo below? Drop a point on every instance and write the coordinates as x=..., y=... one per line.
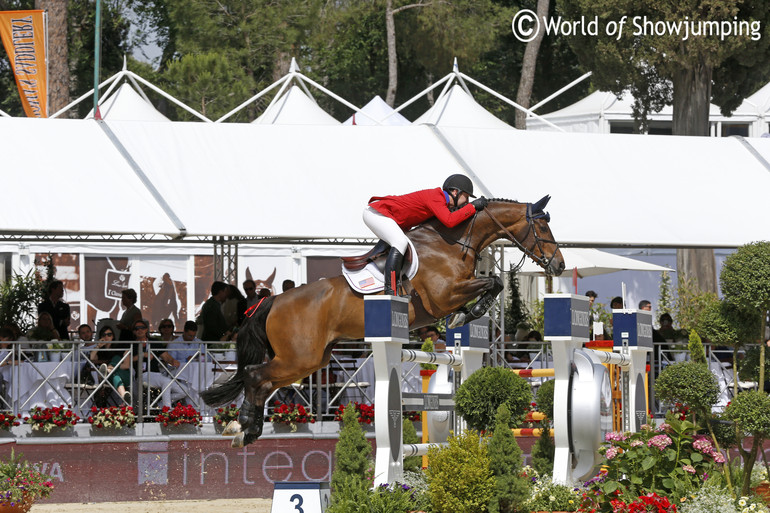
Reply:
x=376, y=255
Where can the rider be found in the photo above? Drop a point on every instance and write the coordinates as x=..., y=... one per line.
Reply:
x=390, y=216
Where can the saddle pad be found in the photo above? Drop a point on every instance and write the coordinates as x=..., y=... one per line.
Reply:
x=370, y=279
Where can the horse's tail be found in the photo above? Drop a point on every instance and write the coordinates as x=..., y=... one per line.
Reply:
x=251, y=347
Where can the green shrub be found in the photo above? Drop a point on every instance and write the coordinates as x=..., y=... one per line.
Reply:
x=709, y=499
x=459, y=477
x=412, y=463
x=751, y=412
x=544, y=398
x=478, y=398
x=689, y=383
x=505, y=461
x=352, y=474
x=543, y=452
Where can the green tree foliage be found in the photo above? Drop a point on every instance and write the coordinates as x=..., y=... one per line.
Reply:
x=666, y=297
x=516, y=310
x=412, y=463
x=19, y=297
x=689, y=303
x=689, y=383
x=725, y=324
x=751, y=413
x=745, y=282
x=695, y=346
x=478, y=398
x=352, y=465
x=543, y=452
x=505, y=461
x=544, y=398
x=208, y=82
x=459, y=476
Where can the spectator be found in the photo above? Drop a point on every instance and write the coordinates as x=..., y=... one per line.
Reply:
x=231, y=308
x=591, y=298
x=57, y=309
x=250, y=288
x=645, y=305
x=85, y=333
x=45, y=329
x=166, y=329
x=666, y=331
x=434, y=335
x=185, y=347
x=99, y=355
x=130, y=315
x=616, y=303
x=152, y=375
x=212, y=318
x=264, y=293
x=534, y=336
x=287, y=285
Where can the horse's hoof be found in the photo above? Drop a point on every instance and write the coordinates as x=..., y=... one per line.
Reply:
x=232, y=428
x=237, y=441
x=457, y=320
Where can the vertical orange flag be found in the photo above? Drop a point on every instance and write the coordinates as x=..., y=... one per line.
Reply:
x=23, y=35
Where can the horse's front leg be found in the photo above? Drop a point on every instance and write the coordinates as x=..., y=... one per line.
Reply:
x=489, y=290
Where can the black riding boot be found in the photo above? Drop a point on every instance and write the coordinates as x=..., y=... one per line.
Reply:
x=393, y=265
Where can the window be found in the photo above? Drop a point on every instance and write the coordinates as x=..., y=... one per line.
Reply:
x=729, y=129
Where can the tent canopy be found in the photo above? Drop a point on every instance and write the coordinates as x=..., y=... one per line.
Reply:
x=377, y=110
x=303, y=182
x=589, y=262
x=295, y=108
x=125, y=104
x=457, y=108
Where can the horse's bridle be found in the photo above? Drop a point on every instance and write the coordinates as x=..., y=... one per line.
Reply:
x=539, y=242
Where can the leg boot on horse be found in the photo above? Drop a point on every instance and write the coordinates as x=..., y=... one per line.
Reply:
x=392, y=272
x=464, y=316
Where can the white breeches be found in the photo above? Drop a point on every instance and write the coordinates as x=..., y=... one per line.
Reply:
x=386, y=229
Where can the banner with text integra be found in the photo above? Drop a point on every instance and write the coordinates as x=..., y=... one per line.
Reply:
x=23, y=35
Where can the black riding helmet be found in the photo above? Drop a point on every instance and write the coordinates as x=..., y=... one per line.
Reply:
x=459, y=182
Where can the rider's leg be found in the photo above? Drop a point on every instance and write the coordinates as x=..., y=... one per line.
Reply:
x=388, y=230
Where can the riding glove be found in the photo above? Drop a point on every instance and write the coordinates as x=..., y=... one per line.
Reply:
x=480, y=203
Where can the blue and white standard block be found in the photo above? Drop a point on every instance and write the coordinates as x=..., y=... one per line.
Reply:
x=304, y=497
x=566, y=317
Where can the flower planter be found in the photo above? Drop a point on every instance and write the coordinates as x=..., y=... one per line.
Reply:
x=112, y=431
x=55, y=432
x=282, y=428
x=763, y=490
x=182, y=429
x=23, y=507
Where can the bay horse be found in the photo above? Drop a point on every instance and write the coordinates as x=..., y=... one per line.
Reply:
x=298, y=329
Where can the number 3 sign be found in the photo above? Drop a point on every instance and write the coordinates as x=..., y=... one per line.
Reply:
x=300, y=497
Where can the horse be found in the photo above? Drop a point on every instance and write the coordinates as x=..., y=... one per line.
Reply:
x=298, y=329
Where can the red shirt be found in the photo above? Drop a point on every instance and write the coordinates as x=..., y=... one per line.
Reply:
x=409, y=210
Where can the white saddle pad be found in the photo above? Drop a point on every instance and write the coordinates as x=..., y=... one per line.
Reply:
x=370, y=280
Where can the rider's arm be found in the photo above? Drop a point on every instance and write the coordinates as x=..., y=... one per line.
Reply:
x=448, y=218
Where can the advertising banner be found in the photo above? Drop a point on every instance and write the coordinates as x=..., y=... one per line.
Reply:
x=23, y=35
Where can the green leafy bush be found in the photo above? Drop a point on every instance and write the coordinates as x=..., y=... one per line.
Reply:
x=543, y=452
x=505, y=461
x=459, y=477
x=478, y=398
x=352, y=476
x=412, y=463
x=751, y=412
x=690, y=383
x=544, y=398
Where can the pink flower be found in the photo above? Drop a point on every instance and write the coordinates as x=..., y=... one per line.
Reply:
x=611, y=453
x=688, y=468
x=614, y=436
x=718, y=458
x=702, y=445
x=637, y=443
x=659, y=441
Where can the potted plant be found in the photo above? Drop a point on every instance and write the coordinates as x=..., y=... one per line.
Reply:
x=52, y=420
x=179, y=419
x=8, y=420
x=112, y=420
x=290, y=415
x=21, y=484
x=365, y=413
x=224, y=416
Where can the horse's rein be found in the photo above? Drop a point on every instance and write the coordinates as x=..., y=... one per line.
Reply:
x=528, y=252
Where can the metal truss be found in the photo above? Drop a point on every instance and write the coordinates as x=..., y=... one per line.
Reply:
x=226, y=259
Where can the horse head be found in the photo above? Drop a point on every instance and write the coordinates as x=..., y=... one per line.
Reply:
x=526, y=225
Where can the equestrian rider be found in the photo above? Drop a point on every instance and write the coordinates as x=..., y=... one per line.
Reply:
x=390, y=216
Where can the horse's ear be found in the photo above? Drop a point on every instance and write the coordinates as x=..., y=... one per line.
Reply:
x=540, y=205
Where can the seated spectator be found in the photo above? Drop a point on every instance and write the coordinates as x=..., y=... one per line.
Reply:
x=616, y=303
x=287, y=285
x=645, y=305
x=151, y=368
x=85, y=333
x=185, y=347
x=45, y=330
x=166, y=329
x=666, y=332
x=6, y=337
x=106, y=338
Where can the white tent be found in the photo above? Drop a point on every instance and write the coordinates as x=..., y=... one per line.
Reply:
x=589, y=262
x=64, y=176
x=599, y=110
x=303, y=182
x=125, y=104
x=377, y=112
x=456, y=108
x=295, y=108
x=757, y=106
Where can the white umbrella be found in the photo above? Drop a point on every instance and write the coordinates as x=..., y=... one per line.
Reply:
x=589, y=262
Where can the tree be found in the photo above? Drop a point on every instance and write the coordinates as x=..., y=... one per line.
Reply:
x=529, y=66
x=505, y=462
x=745, y=281
x=352, y=462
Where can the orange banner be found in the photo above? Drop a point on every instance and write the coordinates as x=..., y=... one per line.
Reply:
x=23, y=35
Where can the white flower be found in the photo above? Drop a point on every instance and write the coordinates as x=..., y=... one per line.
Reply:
x=742, y=502
x=551, y=498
